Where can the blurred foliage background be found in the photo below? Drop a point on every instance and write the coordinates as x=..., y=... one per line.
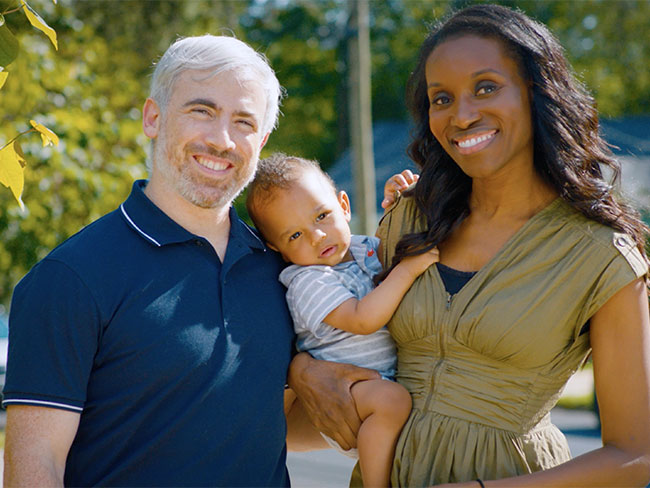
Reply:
x=90, y=92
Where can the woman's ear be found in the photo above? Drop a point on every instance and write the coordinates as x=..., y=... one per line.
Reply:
x=344, y=201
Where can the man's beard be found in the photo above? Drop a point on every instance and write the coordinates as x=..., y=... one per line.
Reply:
x=201, y=191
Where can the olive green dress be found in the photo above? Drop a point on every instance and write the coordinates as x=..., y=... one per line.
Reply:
x=485, y=366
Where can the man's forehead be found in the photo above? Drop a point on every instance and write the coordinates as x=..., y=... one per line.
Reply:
x=221, y=87
x=243, y=77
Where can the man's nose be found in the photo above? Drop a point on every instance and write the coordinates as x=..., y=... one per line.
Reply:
x=220, y=137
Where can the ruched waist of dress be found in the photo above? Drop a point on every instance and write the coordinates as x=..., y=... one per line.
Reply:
x=478, y=393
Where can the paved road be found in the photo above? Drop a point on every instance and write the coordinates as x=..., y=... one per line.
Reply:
x=329, y=469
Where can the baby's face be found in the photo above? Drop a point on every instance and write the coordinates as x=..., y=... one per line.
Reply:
x=308, y=223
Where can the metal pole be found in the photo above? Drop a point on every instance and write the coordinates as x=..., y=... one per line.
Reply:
x=361, y=117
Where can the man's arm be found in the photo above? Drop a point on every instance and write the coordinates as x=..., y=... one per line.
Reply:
x=36, y=445
x=374, y=310
x=324, y=390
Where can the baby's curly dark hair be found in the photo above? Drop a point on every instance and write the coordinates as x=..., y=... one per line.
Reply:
x=277, y=172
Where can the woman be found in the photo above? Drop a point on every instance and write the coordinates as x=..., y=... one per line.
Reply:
x=540, y=266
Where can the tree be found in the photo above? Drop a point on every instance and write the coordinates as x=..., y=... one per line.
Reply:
x=91, y=91
x=12, y=159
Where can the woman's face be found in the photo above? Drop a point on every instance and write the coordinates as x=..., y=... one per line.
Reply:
x=479, y=106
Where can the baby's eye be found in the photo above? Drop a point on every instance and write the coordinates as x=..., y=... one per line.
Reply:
x=294, y=236
x=321, y=216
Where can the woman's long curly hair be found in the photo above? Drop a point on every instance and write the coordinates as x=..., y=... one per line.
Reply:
x=568, y=149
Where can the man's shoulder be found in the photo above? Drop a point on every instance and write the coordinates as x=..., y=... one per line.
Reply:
x=92, y=238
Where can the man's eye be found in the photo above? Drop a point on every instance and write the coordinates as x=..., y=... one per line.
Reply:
x=201, y=111
x=247, y=123
x=294, y=236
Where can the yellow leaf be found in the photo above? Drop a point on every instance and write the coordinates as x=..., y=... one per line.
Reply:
x=3, y=78
x=40, y=24
x=47, y=135
x=12, y=167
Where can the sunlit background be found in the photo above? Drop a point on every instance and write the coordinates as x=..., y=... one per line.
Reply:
x=90, y=92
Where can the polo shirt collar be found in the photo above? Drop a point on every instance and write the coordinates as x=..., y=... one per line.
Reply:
x=159, y=229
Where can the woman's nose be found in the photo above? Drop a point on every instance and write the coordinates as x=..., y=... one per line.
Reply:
x=466, y=113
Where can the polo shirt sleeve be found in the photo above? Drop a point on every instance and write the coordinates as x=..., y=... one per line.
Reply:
x=312, y=295
x=54, y=330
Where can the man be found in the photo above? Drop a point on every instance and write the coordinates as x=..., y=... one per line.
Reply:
x=151, y=348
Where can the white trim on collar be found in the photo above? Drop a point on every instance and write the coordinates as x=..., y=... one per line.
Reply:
x=138, y=228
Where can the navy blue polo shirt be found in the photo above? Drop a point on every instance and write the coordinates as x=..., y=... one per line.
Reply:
x=175, y=361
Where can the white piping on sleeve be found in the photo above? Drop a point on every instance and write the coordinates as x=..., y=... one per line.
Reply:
x=138, y=228
x=12, y=401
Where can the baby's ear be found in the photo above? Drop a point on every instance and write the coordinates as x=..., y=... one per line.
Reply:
x=271, y=246
x=344, y=201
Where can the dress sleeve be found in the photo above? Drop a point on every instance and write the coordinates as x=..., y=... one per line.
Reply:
x=401, y=218
x=54, y=331
x=312, y=295
x=625, y=265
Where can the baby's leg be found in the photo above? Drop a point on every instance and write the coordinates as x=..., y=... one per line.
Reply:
x=383, y=407
x=301, y=434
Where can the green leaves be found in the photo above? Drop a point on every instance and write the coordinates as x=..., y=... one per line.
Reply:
x=47, y=135
x=8, y=44
x=40, y=24
x=3, y=78
x=12, y=160
x=12, y=169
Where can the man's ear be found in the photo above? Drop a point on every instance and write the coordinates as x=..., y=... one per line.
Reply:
x=344, y=201
x=151, y=118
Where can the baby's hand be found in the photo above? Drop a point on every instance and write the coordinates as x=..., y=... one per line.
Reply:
x=396, y=184
x=416, y=265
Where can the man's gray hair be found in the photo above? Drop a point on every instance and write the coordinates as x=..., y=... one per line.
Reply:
x=219, y=54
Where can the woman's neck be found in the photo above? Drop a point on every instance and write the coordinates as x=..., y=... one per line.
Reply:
x=516, y=197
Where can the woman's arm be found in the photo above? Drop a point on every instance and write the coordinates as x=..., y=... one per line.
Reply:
x=373, y=311
x=620, y=338
x=323, y=388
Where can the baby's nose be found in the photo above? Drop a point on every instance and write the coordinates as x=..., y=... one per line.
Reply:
x=317, y=236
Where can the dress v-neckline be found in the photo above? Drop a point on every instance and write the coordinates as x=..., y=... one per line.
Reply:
x=483, y=270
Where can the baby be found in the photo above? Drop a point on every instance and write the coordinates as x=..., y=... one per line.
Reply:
x=338, y=314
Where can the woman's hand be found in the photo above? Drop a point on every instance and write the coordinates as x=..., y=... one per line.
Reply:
x=324, y=390
x=396, y=184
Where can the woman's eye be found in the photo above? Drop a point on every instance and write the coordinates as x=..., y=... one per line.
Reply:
x=440, y=100
x=294, y=236
x=486, y=88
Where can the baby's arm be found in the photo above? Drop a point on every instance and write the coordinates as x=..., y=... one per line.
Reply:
x=373, y=311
